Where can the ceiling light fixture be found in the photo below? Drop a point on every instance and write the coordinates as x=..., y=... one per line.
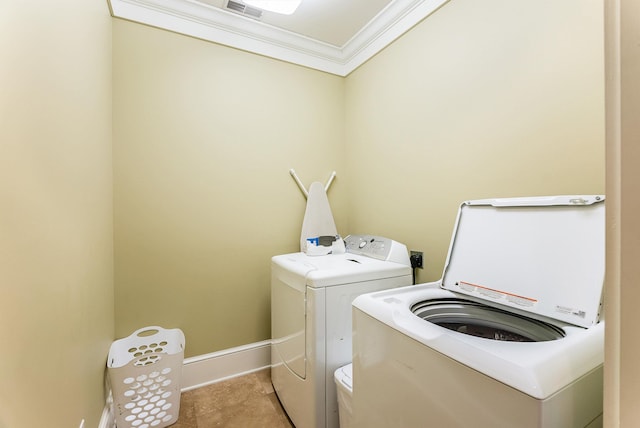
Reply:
x=285, y=7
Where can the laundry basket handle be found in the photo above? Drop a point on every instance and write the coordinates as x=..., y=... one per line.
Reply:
x=147, y=331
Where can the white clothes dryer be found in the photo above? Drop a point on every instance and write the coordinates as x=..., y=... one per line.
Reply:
x=311, y=301
x=511, y=336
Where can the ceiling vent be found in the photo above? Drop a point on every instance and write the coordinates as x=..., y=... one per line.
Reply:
x=243, y=9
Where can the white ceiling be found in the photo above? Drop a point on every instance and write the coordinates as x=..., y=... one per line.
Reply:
x=331, y=21
x=335, y=36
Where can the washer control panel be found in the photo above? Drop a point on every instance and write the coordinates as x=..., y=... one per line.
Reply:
x=377, y=247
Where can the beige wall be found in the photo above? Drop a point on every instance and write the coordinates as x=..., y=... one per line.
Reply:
x=483, y=99
x=204, y=137
x=622, y=374
x=56, y=284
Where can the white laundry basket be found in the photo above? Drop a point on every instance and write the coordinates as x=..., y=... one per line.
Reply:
x=344, y=384
x=145, y=370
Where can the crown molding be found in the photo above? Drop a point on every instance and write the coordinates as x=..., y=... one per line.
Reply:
x=195, y=19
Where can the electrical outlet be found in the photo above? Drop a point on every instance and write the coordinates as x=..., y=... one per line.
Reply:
x=416, y=259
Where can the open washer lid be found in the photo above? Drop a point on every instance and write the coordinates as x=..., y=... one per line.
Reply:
x=541, y=255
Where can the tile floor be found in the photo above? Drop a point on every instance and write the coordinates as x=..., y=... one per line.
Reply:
x=243, y=402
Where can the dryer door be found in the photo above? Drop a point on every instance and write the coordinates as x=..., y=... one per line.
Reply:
x=288, y=286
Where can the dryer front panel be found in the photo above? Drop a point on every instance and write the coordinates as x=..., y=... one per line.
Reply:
x=288, y=316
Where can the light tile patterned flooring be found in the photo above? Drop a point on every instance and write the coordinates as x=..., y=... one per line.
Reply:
x=243, y=402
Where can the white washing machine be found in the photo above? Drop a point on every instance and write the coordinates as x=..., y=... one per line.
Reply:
x=511, y=336
x=311, y=301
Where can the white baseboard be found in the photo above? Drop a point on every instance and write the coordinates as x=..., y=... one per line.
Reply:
x=210, y=368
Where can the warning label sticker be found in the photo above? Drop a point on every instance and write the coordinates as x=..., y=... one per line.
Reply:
x=497, y=294
x=571, y=311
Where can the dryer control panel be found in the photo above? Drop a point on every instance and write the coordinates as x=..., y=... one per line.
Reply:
x=377, y=247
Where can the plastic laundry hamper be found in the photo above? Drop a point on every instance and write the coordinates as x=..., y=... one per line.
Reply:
x=343, y=377
x=145, y=370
